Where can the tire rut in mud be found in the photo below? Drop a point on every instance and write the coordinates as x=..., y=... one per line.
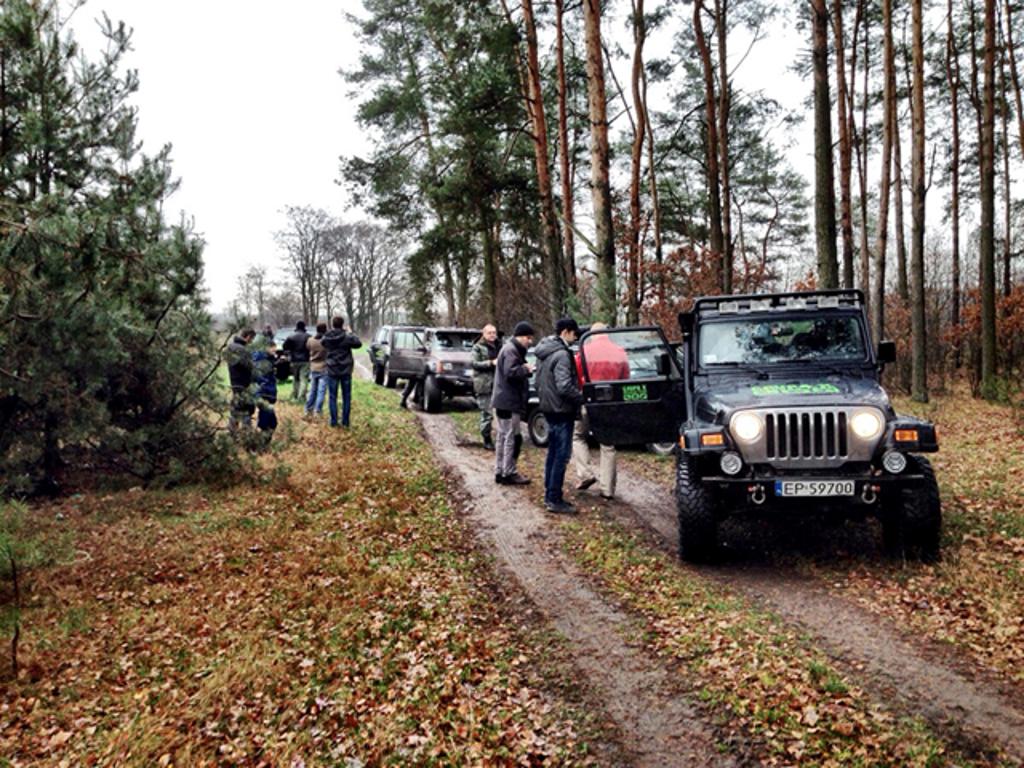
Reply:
x=874, y=653
x=659, y=726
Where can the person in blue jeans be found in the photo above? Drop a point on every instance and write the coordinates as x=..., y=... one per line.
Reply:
x=317, y=372
x=560, y=401
x=338, y=344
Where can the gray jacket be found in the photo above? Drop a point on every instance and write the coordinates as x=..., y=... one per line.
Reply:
x=557, y=385
x=511, y=379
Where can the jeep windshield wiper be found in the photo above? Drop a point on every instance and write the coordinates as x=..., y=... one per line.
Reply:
x=832, y=367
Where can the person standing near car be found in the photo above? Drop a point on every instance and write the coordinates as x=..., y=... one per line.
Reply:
x=485, y=360
x=298, y=355
x=239, y=361
x=509, y=397
x=317, y=372
x=265, y=379
x=339, y=344
x=606, y=361
x=560, y=400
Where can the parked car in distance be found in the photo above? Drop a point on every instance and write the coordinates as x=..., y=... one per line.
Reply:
x=441, y=357
x=378, y=351
x=406, y=339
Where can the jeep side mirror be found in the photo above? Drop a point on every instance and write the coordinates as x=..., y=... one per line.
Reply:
x=887, y=351
x=663, y=365
x=686, y=322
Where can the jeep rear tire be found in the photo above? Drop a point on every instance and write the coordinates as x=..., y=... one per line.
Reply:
x=912, y=522
x=431, y=394
x=537, y=426
x=698, y=528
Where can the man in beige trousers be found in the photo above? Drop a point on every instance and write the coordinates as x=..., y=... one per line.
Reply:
x=606, y=361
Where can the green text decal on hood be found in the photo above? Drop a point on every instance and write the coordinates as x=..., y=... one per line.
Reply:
x=819, y=388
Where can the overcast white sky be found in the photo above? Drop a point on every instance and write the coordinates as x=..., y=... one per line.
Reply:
x=248, y=94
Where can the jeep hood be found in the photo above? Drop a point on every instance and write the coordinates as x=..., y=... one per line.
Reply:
x=715, y=398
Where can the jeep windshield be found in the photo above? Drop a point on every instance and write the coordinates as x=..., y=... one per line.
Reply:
x=835, y=339
x=455, y=342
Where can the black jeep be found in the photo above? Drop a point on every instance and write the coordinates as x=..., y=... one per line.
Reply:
x=776, y=403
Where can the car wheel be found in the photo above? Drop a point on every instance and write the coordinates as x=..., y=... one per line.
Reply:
x=698, y=528
x=390, y=380
x=378, y=374
x=432, y=395
x=661, y=449
x=537, y=426
x=912, y=522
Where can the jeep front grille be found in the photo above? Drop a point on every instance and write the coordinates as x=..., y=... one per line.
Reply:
x=806, y=435
x=807, y=438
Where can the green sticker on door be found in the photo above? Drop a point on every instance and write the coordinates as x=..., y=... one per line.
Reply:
x=633, y=392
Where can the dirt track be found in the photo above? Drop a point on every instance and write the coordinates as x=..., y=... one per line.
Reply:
x=658, y=724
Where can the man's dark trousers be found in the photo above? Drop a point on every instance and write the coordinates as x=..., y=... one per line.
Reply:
x=559, y=451
x=346, y=399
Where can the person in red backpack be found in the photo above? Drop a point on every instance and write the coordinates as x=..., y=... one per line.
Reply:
x=606, y=361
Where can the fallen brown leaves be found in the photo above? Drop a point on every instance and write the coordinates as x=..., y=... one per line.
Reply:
x=335, y=617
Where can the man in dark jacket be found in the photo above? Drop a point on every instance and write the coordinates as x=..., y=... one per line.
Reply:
x=266, y=389
x=239, y=361
x=298, y=355
x=338, y=344
x=560, y=399
x=509, y=398
x=485, y=360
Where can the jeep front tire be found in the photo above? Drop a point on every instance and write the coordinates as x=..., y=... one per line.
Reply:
x=912, y=521
x=698, y=528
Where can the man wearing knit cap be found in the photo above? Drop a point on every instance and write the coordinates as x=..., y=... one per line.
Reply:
x=560, y=400
x=509, y=399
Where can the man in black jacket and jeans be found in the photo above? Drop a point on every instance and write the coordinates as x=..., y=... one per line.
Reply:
x=298, y=356
x=338, y=344
x=560, y=400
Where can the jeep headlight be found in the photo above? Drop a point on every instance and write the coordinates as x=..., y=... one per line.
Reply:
x=447, y=367
x=866, y=425
x=746, y=427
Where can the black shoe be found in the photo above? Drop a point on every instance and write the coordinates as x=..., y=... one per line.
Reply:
x=586, y=484
x=516, y=479
x=607, y=496
x=560, y=508
x=404, y=404
x=500, y=479
x=488, y=443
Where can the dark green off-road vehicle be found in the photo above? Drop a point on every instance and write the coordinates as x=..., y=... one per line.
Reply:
x=776, y=403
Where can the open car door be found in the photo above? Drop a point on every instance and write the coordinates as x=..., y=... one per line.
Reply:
x=632, y=386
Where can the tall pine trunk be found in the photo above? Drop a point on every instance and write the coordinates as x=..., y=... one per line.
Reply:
x=845, y=147
x=987, y=195
x=888, y=122
x=597, y=98
x=715, y=235
x=824, y=181
x=554, y=270
x=862, y=160
x=953, y=78
x=724, y=108
x=919, y=385
x=633, y=289
x=1011, y=54
x=568, y=235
